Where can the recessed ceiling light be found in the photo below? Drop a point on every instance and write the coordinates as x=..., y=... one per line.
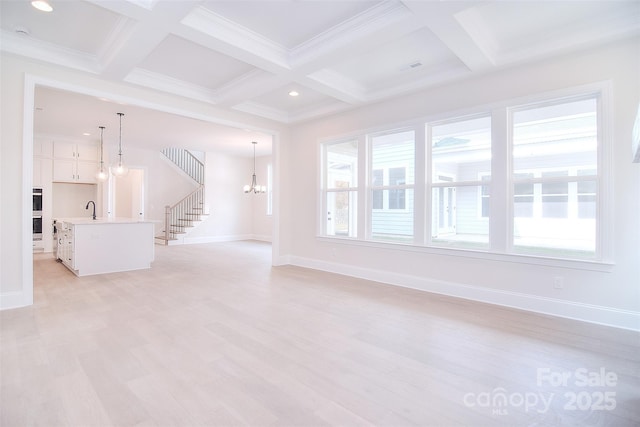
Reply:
x=42, y=5
x=293, y=93
x=86, y=134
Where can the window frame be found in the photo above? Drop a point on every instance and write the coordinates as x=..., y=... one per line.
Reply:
x=351, y=191
x=602, y=95
x=501, y=190
x=454, y=183
x=387, y=187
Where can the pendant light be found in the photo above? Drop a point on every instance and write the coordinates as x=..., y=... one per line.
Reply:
x=102, y=173
x=119, y=168
x=254, y=187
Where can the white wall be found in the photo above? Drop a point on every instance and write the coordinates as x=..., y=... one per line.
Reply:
x=262, y=225
x=233, y=215
x=228, y=207
x=165, y=184
x=70, y=200
x=611, y=296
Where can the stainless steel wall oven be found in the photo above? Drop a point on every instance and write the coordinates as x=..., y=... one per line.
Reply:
x=37, y=201
x=37, y=214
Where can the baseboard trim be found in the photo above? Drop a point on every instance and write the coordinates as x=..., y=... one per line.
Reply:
x=11, y=300
x=623, y=319
x=216, y=239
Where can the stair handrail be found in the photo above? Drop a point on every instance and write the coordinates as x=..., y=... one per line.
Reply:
x=176, y=212
x=187, y=162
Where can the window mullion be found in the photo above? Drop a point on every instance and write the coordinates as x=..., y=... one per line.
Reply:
x=364, y=181
x=419, y=191
x=501, y=193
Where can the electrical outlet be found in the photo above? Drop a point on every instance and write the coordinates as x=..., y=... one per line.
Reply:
x=558, y=282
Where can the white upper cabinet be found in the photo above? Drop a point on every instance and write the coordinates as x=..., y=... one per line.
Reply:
x=75, y=162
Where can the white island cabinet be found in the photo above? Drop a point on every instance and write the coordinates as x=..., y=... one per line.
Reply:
x=88, y=246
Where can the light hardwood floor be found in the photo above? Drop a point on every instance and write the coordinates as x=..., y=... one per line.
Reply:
x=212, y=335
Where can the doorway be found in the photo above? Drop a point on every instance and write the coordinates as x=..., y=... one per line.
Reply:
x=126, y=195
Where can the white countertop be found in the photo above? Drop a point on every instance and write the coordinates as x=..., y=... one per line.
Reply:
x=100, y=221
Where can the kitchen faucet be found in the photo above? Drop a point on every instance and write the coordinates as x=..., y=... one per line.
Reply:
x=94, y=208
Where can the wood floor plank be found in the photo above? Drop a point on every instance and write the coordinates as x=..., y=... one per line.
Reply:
x=212, y=335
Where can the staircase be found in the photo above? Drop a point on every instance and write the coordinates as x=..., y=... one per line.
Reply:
x=188, y=212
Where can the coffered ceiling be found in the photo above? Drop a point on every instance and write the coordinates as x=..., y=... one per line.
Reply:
x=337, y=54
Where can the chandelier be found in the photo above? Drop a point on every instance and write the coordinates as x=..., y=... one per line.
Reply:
x=254, y=187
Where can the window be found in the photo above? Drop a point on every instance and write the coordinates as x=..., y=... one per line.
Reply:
x=586, y=193
x=376, y=196
x=531, y=173
x=392, y=185
x=523, y=195
x=485, y=192
x=340, y=189
x=555, y=178
x=460, y=170
x=397, y=196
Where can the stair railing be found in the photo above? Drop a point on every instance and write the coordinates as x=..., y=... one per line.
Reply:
x=186, y=161
x=183, y=213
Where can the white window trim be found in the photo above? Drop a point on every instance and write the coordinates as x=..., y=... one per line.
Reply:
x=602, y=92
x=367, y=142
x=479, y=198
x=501, y=119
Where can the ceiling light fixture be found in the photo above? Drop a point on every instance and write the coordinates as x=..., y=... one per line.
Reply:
x=120, y=169
x=42, y=5
x=254, y=187
x=294, y=93
x=102, y=174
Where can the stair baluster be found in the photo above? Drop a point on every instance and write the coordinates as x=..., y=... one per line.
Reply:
x=191, y=208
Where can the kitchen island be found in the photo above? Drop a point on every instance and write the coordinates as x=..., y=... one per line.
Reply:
x=104, y=245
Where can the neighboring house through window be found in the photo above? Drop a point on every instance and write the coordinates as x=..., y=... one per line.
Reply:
x=542, y=177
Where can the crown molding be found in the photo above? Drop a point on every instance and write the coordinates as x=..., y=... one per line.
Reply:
x=610, y=30
x=249, y=85
x=163, y=83
x=48, y=52
x=337, y=85
x=362, y=25
x=309, y=113
x=242, y=38
x=318, y=111
x=446, y=75
x=116, y=40
x=263, y=111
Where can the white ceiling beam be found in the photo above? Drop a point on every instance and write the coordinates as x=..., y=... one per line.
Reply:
x=250, y=86
x=474, y=50
x=214, y=31
x=139, y=36
x=48, y=52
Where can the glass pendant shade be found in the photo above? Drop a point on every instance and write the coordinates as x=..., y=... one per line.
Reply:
x=102, y=173
x=119, y=169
